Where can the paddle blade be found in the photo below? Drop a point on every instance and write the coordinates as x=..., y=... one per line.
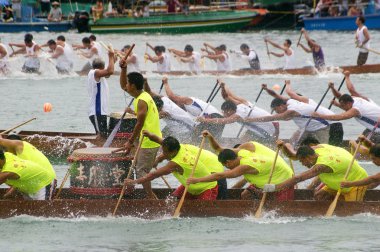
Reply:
x=113, y=134
x=259, y=211
x=332, y=206
x=177, y=211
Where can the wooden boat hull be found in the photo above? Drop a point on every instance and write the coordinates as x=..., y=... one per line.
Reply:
x=344, y=23
x=62, y=144
x=234, y=208
x=41, y=26
x=372, y=68
x=212, y=21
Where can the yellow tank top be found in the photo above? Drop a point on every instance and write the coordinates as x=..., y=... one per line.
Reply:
x=209, y=159
x=338, y=159
x=32, y=177
x=262, y=161
x=185, y=158
x=152, y=120
x=31, y=153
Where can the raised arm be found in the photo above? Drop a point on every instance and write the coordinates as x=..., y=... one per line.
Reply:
x=227, y=94
x=149, y=45
x=275, y=44
x=148, y=89
x=308, y=39
x=123, y=80
x=293, y=95
x=306, y=49
x=177, y=52
x=110, y=68
x=214, y=144
x=152, y=137
x=273, y=93
x=179, y=100
x=350, y=87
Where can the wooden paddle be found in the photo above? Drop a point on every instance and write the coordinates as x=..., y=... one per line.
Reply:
x=373, y=50
x=339, y=88
x=332, y=206
x=179, y=206
x=129, y=51
x=211, y=98
x=128, y=176
x=262, y=202
x=62, y=184
x=15, y=127
x=299, y=40
x=250, y=112
x=266, y=44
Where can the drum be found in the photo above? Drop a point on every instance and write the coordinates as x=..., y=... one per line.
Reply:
x=98, y=171
x=127, y=125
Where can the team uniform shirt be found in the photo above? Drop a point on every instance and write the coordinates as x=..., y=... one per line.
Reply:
x=4, y=61
x=152, y=120
x=208, y=158
x=253, y=59
x=195, y=66
x=98, y=93
x=64, y=61
x=305, y=110
x=338, y=159
x=262, y=160
x=165, y=66
x=224, y=66
x=196, y=108
x=32, y=177
x=179, y=119
x=361, y=38
x=133, y=67
x=32, y=61
x=289, y=60
x=262, y=129
x=369, y=113
x=185, y=158
x=98, y=47
x=31, y=153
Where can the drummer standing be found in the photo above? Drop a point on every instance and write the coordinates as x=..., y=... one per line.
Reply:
x=98, y=91
x=362, y=40
x=147, y=119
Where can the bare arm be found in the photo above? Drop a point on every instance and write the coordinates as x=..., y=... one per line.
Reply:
x=219, y=57
x=177, y=52
x=214, y=144
x=311, y=173
x=273, y=93
x=294, y=95
x=153, y=137
x=167, y=169
x=239, y=184
x=306, y=49
x=224, y=120
x=366, y=181
x=13, y=146
x=236, y=172
x=58, y=52
x=287, y=115
x=276, y=45
x=278, y=54
x=338, y=117
x=179, y=100
x=227, y=94
x=109, y=70
x=3, y=52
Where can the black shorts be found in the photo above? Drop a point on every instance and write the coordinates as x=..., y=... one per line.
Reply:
x=336, y=134
x=101, y=125
x=362, y=58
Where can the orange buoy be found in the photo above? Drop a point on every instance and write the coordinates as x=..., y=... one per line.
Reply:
x=47, y=107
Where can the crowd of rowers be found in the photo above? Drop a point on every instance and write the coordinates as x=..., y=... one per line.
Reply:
x=61, y=54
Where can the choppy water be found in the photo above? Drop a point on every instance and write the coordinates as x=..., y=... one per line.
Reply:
x=24, y=95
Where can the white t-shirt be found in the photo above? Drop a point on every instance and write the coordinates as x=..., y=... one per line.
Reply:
x=196, y=108
x=289, y=60
x=305, y=110
x=195, y=66
x=133, y=67
x=369, y=113
x=31, y=61
x=259, y=128
x=98, y=47
x=178, y=116
x=64, y=61
x=164, y=67
x=225, y=65
x=97, y=106
x=361, y=38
